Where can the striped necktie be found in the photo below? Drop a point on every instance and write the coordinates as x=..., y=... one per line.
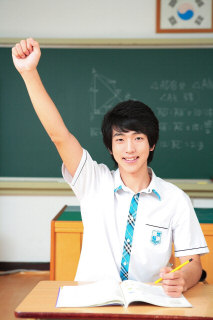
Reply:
x=128, y=237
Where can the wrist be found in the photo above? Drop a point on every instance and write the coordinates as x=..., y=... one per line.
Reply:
x=29, y=74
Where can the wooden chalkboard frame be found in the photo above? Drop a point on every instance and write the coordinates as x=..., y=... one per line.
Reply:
x=57, y=187
x=115, y=43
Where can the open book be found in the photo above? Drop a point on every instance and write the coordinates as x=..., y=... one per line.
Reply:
x=109, y=292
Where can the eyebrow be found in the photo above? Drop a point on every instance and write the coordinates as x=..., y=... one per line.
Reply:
x=121, y=133
x=118, y=134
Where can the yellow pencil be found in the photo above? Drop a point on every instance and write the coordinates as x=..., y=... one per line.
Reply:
x=179, y=267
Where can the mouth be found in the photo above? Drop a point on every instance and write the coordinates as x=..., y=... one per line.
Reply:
x=130, y=159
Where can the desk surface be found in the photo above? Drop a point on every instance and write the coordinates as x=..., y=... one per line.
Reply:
x=40, y=303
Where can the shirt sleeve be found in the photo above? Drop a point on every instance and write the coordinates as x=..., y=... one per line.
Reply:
x=88, y=177
x=187, y=233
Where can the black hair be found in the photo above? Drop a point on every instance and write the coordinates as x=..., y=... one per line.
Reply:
x=127, y=116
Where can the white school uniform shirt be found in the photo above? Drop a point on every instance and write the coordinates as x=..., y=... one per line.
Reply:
x=164, y=215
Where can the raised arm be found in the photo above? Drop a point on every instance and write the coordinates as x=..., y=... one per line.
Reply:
x=26, y=56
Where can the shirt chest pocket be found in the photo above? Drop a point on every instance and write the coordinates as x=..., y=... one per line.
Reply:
x=157, y=237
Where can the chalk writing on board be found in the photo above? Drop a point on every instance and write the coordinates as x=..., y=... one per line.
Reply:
x=105, y=93
x=178, y=144
x=168, y=85
x=180, y=126
x=186, y=97
x=204, y=84
x=180, y=110
x=184, y=112
x=174, y=85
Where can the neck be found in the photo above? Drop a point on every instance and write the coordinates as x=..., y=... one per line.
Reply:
x=136, y=182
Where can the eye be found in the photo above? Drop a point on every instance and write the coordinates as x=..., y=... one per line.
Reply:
x=139, y=138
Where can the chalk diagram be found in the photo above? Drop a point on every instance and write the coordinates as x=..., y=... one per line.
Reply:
x=104, y=94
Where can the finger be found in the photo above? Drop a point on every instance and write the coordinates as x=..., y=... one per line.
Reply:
x=36, y=47
x=174, y=291
x=172, y=275
x=170, y=282
x=174, y=282
x=173, y=294
x=164, y=271
x=30, y=44
x=23, y=44
x=20, y=51
x=179, y=281
x=15, y=52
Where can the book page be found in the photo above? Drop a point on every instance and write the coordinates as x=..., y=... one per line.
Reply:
x=138, y=291
x=90, y=295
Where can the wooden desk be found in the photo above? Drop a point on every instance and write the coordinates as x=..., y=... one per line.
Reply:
x=40, y=303
x=66, y=243
x=67, y=235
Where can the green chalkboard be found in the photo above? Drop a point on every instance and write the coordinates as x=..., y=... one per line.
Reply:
x=84, y=83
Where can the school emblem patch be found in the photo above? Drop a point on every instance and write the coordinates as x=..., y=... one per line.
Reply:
x=156, y=237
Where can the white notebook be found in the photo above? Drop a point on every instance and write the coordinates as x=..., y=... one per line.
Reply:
x=109, y=292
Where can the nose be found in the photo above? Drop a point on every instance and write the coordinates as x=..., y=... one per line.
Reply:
x=130, y=147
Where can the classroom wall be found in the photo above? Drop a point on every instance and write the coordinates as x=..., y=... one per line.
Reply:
x=82, y=19
x=25, y=226
x=25, y=220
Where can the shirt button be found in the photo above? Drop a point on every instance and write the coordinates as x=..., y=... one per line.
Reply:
x=124, y=263
x=128, y=240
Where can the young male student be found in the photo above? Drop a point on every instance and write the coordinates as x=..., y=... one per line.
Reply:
x=130, y=216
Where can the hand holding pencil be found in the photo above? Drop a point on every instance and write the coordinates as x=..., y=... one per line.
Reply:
x=173, y=280
x=178, y=268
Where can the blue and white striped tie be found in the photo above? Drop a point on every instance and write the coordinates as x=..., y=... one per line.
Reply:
x=128, y=237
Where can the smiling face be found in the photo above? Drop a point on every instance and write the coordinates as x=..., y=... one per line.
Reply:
x=130, y=150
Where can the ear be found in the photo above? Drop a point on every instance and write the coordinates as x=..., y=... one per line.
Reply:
x=151, y=149
x=109, y=151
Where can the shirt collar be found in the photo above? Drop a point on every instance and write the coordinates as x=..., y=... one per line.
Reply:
x=152, y=187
